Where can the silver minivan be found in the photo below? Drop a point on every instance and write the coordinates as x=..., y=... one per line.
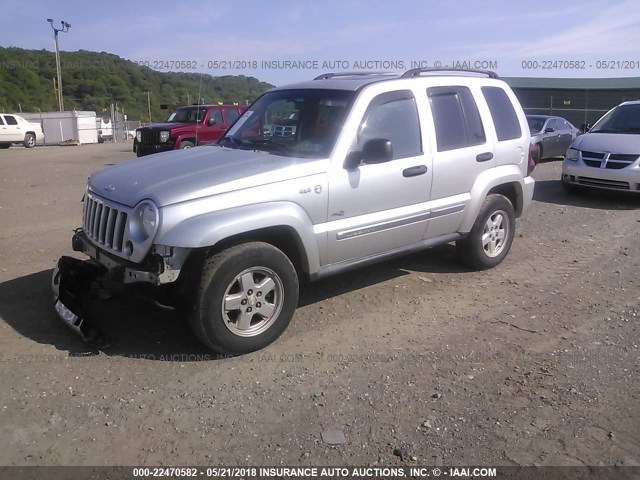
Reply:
x=608, y=155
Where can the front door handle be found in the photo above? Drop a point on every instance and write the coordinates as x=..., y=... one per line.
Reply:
x=484, y=157
x=414, y=171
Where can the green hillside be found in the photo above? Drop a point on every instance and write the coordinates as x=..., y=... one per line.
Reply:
x=92, y=81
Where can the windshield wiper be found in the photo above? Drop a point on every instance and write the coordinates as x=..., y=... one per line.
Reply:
x=629, y=129
x=270, y=146
x=233, y=141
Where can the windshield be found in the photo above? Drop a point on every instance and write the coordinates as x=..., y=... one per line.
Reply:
x=622, y=119
x=188, y=115
x=535, y=124
x=299, y=123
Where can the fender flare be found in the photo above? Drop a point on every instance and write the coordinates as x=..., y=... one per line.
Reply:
x=486, y=181
x=209, y=229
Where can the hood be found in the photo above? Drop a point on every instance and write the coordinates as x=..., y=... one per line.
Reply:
x=167, y=126
x=625, y=143
x=182, y=175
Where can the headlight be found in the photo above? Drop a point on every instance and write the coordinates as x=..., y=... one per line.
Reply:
x=138, y=135
x=144, y=222
x=164, y=136
x=572, y=154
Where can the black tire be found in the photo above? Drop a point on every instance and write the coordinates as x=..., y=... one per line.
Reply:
x=29, y=140
x=5, y=145
x=259, y=263
x=187, y=144
x=472, y=250
x=572, y=189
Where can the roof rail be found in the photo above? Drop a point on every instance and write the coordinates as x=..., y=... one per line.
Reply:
x=415, y=72
x=326, y=76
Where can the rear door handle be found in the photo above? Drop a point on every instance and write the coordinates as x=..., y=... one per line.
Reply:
x=484, y=157
x=414, y=171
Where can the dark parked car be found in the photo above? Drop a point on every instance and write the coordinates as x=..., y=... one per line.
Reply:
x=551, y=136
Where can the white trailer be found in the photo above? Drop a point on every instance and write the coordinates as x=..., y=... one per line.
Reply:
x=60, y=127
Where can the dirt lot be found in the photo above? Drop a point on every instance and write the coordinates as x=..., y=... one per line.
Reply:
x=534, y=362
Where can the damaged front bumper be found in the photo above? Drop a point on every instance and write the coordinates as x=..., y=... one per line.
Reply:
x=75, y=280
x=71, y=283
x=162, y=266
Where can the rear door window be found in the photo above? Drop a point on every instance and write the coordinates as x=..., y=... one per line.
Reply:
x=504, y=115
x=11, y=120
x=231, y=114
x=456, y=118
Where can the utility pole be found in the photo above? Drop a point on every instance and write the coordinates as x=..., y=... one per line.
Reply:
x=65, y=28
x=148, y=103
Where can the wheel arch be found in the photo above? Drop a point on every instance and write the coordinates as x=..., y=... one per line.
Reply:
x=281, y=224
x=506, y=180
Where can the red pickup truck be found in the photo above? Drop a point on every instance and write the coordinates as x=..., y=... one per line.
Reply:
x=186, y=127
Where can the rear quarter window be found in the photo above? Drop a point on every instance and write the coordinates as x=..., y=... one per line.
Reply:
x=504, y=115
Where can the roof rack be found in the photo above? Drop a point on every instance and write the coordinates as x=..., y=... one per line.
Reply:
x=326, y=76
x=415, y=72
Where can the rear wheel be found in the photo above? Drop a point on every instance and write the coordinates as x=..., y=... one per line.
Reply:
x=491, y=236
x=186, y=144
x=248, y=294
x=29, y=140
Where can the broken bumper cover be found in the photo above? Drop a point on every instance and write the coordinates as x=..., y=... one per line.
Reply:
x=152, y=272
x=71, y=283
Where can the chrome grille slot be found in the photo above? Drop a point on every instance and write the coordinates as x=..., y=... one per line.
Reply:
x=104, y=224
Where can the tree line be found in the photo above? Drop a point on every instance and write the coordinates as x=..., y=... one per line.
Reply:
x=93, y=81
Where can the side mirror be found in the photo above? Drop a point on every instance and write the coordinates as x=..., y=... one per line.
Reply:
x=549, y=130
x=376, y=150
x=211, y=121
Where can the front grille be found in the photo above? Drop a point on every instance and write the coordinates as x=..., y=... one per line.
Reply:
x=600, y=182
x=592, y=163
x=150, y=137
x=104, y=224
x=284, y=130
x=612, y=161
x=597, y=155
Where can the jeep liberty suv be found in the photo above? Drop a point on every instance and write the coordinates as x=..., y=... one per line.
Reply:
x=313, y=179
x=186, y=127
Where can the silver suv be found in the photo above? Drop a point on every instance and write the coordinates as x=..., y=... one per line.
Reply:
x=372, y=166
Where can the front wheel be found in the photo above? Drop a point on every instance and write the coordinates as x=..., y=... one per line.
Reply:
x=248, y=294
x=186, y=144
x=491, y=236
x=572, y=189
x=29, y=140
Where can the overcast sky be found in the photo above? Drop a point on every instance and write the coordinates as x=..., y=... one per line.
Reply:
x=507, y=36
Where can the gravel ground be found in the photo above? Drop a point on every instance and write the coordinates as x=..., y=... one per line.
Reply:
x=414, y=361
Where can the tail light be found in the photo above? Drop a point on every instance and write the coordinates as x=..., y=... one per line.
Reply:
x=532, y=159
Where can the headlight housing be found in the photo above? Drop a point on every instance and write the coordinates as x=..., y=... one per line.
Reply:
x=144, y=221
x=138, y=135
x=572, y=155
x=164, y=136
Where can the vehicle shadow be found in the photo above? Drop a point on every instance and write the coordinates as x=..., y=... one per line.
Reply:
x=440, y=259
x=134, y=327
x=551, y=191
x=138, y=328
